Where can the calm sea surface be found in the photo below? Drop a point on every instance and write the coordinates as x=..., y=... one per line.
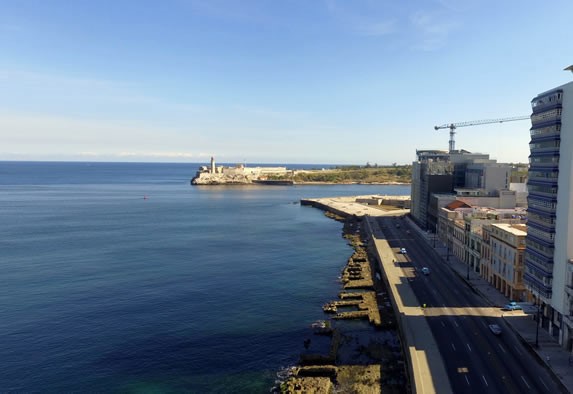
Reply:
x=194, y=289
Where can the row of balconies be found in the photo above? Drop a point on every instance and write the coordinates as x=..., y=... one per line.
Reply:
x=542, y=118
x=544, y=269
x=551, y=131
x=547, y=101
x=537, y=286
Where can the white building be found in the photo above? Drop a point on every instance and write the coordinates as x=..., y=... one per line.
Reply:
x=549, y=241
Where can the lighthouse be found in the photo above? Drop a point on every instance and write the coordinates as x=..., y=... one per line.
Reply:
x=213, y=169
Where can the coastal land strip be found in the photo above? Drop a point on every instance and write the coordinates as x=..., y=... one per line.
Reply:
x=240, y=174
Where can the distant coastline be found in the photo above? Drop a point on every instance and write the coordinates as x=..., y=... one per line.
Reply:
x=351, y=175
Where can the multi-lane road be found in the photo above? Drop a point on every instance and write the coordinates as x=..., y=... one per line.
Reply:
x=476, y=360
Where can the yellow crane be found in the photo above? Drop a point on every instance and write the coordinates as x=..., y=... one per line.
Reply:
x=454, y=126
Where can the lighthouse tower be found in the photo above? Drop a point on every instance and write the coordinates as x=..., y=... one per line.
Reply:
x=213, y=169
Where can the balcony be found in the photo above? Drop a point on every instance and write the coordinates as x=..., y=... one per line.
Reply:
x=540, y=119
x=547, y=101
x=537, y=286
x=542, y=195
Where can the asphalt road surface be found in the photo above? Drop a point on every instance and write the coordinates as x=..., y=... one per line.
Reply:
x=477, y=361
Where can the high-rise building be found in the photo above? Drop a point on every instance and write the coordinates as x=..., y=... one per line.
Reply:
x=549, y=241
x=457, y=172
x=431, y=173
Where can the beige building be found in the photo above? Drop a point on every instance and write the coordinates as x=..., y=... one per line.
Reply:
x=506, y=267
x=461, y=228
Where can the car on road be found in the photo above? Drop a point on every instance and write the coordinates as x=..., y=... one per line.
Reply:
x=496, y=329
x=403, y=250
x=426, y=271
x=512, y=306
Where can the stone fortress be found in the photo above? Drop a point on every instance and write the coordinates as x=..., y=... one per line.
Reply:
x=239, y=174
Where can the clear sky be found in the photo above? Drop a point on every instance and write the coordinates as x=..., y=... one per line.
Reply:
x=285, y=81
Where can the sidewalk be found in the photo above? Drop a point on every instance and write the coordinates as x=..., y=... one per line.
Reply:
x=549, y=352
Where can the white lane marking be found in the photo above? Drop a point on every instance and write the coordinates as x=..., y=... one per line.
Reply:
x=517, y=350
x=468, y=345
x=524, y=381
x=483, y=324
x=501, y=347
x=544, y=384
x=443, y=324
x=466, y=376
x=456, y=323
x=454, y=347
x=485, y=381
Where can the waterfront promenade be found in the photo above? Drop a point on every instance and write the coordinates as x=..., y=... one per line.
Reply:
x=425, y=365
x=426, y=368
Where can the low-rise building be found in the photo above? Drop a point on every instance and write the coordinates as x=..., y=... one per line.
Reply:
x=507, y=245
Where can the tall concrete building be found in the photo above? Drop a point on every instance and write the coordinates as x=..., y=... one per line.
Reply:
x=549, y=241
x=431, y=173
x=441, y=172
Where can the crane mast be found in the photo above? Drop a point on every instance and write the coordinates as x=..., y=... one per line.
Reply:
x=454, y=126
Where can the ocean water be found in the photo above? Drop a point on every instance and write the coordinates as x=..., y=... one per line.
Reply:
x=121, y=277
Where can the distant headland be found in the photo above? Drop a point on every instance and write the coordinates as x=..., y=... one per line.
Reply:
x=243, y=175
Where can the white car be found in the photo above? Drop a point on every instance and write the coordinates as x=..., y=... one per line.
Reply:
x=426, y=271
x=403, y=250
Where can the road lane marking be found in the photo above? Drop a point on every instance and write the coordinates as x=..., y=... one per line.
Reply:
x=466, y=376
x=485, y=381
x=454, y=347
x=524, y=381
x=544, y=384
x=456, y=323
x=501, y=347
x=443, y=324
x=483, y=324
x=468, y=345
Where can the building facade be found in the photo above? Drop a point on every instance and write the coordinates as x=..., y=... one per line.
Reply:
x=431, y=173
x=507, y=246
x=549, y=241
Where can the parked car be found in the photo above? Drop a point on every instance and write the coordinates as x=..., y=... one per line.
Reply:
x=403, y=250
x=496, y=329
x=426, y=271
x=512, y=306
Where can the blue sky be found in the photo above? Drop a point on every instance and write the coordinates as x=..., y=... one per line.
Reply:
x=309, y=81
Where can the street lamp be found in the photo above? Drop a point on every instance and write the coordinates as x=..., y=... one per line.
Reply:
x=447, y=250
x=468, y=273
x=538, y=320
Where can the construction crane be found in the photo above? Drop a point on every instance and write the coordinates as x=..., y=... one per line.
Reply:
x=454, y=126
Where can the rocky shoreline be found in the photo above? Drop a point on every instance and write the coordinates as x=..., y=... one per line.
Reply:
x=365, y=360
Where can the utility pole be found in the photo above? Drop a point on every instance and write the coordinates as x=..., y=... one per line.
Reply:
x=447, y=250
x=538, y=321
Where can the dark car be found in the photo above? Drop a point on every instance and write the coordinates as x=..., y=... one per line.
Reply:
x=496, y=329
